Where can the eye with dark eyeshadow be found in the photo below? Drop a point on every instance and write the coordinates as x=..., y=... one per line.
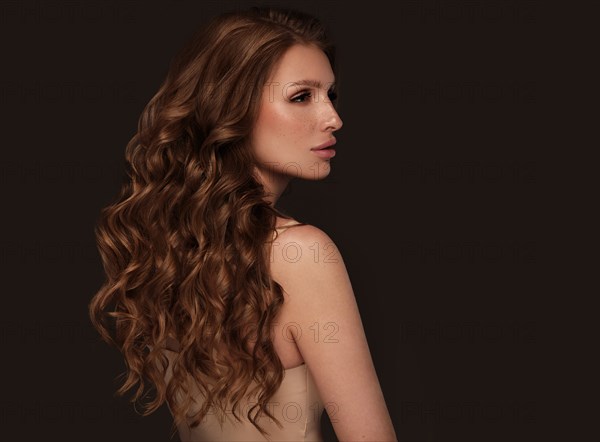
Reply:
x=302, y=97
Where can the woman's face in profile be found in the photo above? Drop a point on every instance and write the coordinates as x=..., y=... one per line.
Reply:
x=295, y=118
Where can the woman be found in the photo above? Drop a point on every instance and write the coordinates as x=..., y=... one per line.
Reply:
x=242, y=319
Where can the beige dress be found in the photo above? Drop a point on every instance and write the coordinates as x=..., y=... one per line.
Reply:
x=296, y=405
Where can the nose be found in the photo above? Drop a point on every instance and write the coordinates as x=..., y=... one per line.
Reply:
x=332, y=120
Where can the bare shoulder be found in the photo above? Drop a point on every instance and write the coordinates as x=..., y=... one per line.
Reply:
x=327, y=327
x=302, y=245
x=306, y=261
x=301, y=230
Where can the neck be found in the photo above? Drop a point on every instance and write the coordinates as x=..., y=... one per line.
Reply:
x=273, y=182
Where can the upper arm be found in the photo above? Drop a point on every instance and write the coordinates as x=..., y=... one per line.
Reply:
x=329, y=333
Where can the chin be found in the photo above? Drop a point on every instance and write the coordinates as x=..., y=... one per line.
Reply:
x=318, y=172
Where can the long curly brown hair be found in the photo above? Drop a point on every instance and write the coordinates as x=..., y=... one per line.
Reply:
x=185, y=246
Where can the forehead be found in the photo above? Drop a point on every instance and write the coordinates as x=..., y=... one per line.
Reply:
x=301, y=62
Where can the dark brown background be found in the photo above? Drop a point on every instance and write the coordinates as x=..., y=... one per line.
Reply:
x=432, y=201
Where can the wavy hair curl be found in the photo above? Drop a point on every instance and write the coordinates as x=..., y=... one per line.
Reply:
x=185, y=246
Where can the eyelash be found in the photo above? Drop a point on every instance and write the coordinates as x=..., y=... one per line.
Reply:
x=332, y=96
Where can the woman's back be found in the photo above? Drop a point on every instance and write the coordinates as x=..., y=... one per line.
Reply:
x=296, y=404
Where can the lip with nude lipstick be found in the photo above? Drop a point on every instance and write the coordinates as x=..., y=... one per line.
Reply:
x=325, y=150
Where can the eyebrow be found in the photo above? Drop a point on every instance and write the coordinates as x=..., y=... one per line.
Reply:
x=313, y=83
